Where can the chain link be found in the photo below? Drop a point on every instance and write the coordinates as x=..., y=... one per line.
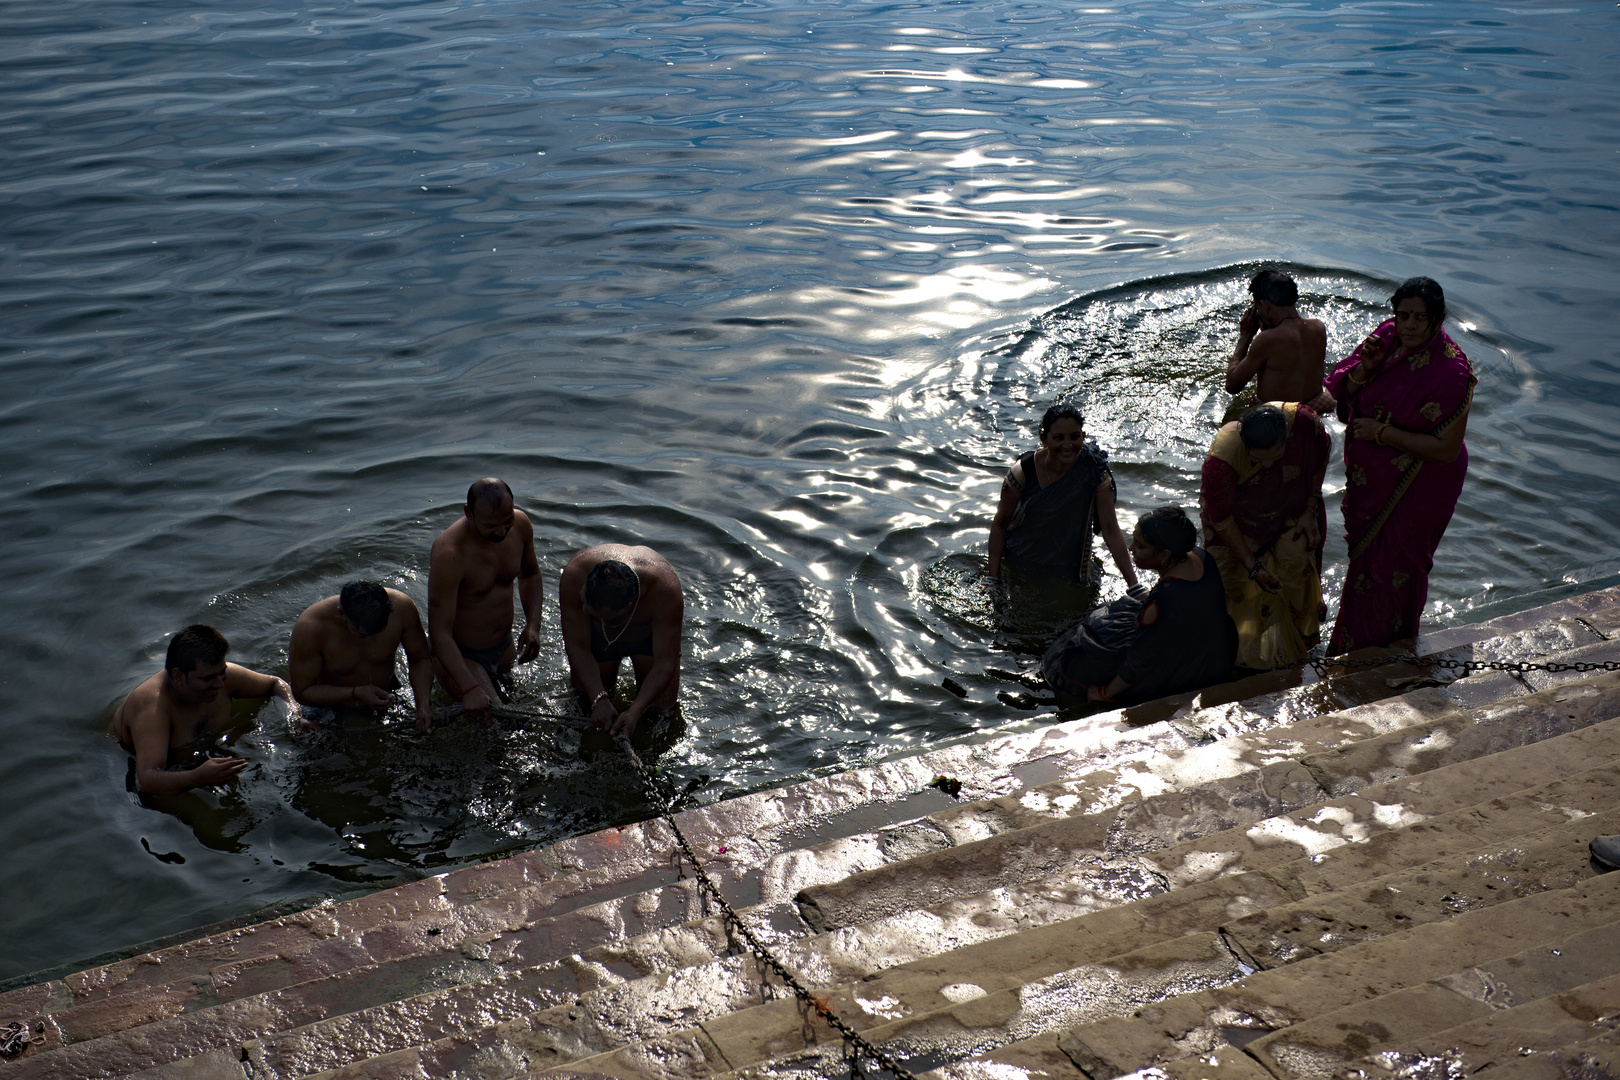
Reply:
x=854, y=1044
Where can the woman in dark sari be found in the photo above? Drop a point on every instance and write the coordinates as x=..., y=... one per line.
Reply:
x=1051, y=502
x=1405, y=394
x=1182, y=638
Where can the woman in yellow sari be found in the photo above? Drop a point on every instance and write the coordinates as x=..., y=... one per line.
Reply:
x=1263, y=524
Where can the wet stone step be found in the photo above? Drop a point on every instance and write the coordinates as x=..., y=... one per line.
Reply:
x=1423, y=1025
x=1266, y=1001
x=1363, y=907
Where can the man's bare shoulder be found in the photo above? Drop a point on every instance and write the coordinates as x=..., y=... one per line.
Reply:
x=448, y=546
x=403, y=604
x=145, y=704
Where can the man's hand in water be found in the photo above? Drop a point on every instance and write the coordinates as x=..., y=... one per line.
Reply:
x=219, y=770
x=424, y=720
x=528, y=643
x=604, y=714
x=373, y=697
x=477, y=703
x=624, y=726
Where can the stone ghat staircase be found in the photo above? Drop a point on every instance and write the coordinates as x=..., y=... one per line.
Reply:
x=1370, y=875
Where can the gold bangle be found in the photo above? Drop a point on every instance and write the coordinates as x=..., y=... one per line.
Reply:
x=1378, y=436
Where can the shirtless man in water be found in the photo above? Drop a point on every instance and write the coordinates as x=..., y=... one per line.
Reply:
x=173, y=713
x=343, y=648
x=619, y=601
x=1285, y=349
x=470, y=575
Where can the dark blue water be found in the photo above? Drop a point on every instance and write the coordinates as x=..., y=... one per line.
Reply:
x=778, y=288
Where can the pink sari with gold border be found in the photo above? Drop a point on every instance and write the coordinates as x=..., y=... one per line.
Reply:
x=1396, y=505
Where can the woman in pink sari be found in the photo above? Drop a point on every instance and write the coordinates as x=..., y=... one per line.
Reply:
x=1405, y=394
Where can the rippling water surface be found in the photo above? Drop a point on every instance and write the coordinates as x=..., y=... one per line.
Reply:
x=778, y=288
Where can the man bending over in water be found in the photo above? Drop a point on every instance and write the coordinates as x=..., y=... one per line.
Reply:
x=470, y=575
x=1274, y=341
x=619, y=601
x=173, y=713
x=343, y=647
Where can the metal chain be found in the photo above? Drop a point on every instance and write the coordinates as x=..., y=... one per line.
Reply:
x=1517, y=667
x=854, y=1044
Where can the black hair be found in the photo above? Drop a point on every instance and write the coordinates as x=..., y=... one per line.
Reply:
x=491, y=491
x=1169, y=529
x=196, y=644
x=1429, y=291
x=1275, y=286
x=1262, y=427
x=611, y=585
x=1060, y=412
x=367, y=605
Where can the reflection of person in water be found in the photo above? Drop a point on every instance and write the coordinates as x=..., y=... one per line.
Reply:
x=1052, y=499
x=173, y=714
x=1183, y=639
x=470, y=574
x=618, y=602
x=1263, y=523
x=343, y=648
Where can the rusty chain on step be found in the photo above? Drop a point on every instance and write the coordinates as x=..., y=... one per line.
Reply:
x=854, y=1044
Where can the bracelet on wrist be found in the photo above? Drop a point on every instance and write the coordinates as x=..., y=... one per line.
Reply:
x=598, y=698
x=1102, y=693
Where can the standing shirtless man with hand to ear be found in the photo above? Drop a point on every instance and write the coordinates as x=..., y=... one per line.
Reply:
x=1277, y=343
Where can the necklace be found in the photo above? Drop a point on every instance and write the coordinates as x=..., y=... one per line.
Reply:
x=631, y=617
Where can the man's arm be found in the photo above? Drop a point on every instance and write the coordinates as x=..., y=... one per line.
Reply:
x=576, y=635
x=149, y=733
x=444, y=585
x=666, y=651
x=241, y=682
x=418, y=660
x=1248, y=357
x=531, y=595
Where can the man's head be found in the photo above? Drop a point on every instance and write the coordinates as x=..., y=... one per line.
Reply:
x=1264, y=431
x=366, y=605
x=1274, y=287
x=611, y=588
x=196, y=662
x=491, y=509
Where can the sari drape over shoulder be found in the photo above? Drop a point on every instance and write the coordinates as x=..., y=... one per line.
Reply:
x=1396, y=505
x=1266, y=504
x=1051, y=530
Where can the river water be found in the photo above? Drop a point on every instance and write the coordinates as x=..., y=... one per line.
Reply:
x=778, y=288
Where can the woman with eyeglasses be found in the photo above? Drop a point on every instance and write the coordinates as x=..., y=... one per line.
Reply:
x=1404, y=393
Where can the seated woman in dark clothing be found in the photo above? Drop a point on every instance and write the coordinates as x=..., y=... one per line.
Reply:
x=1052, y=500
x=1182, y=638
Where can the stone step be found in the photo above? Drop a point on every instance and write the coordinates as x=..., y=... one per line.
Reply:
x=1195, y=1026
x=1595, y=1059
x=1275, y=998
x=774, y=1032
x=1523, y=1000
x=1245, y=778
x=626, y=1013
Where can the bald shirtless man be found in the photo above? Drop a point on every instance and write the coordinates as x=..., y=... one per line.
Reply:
x=171, y=715
x=343, y=648
x=470, y=575
x=1276, y=343
x=619, y=601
